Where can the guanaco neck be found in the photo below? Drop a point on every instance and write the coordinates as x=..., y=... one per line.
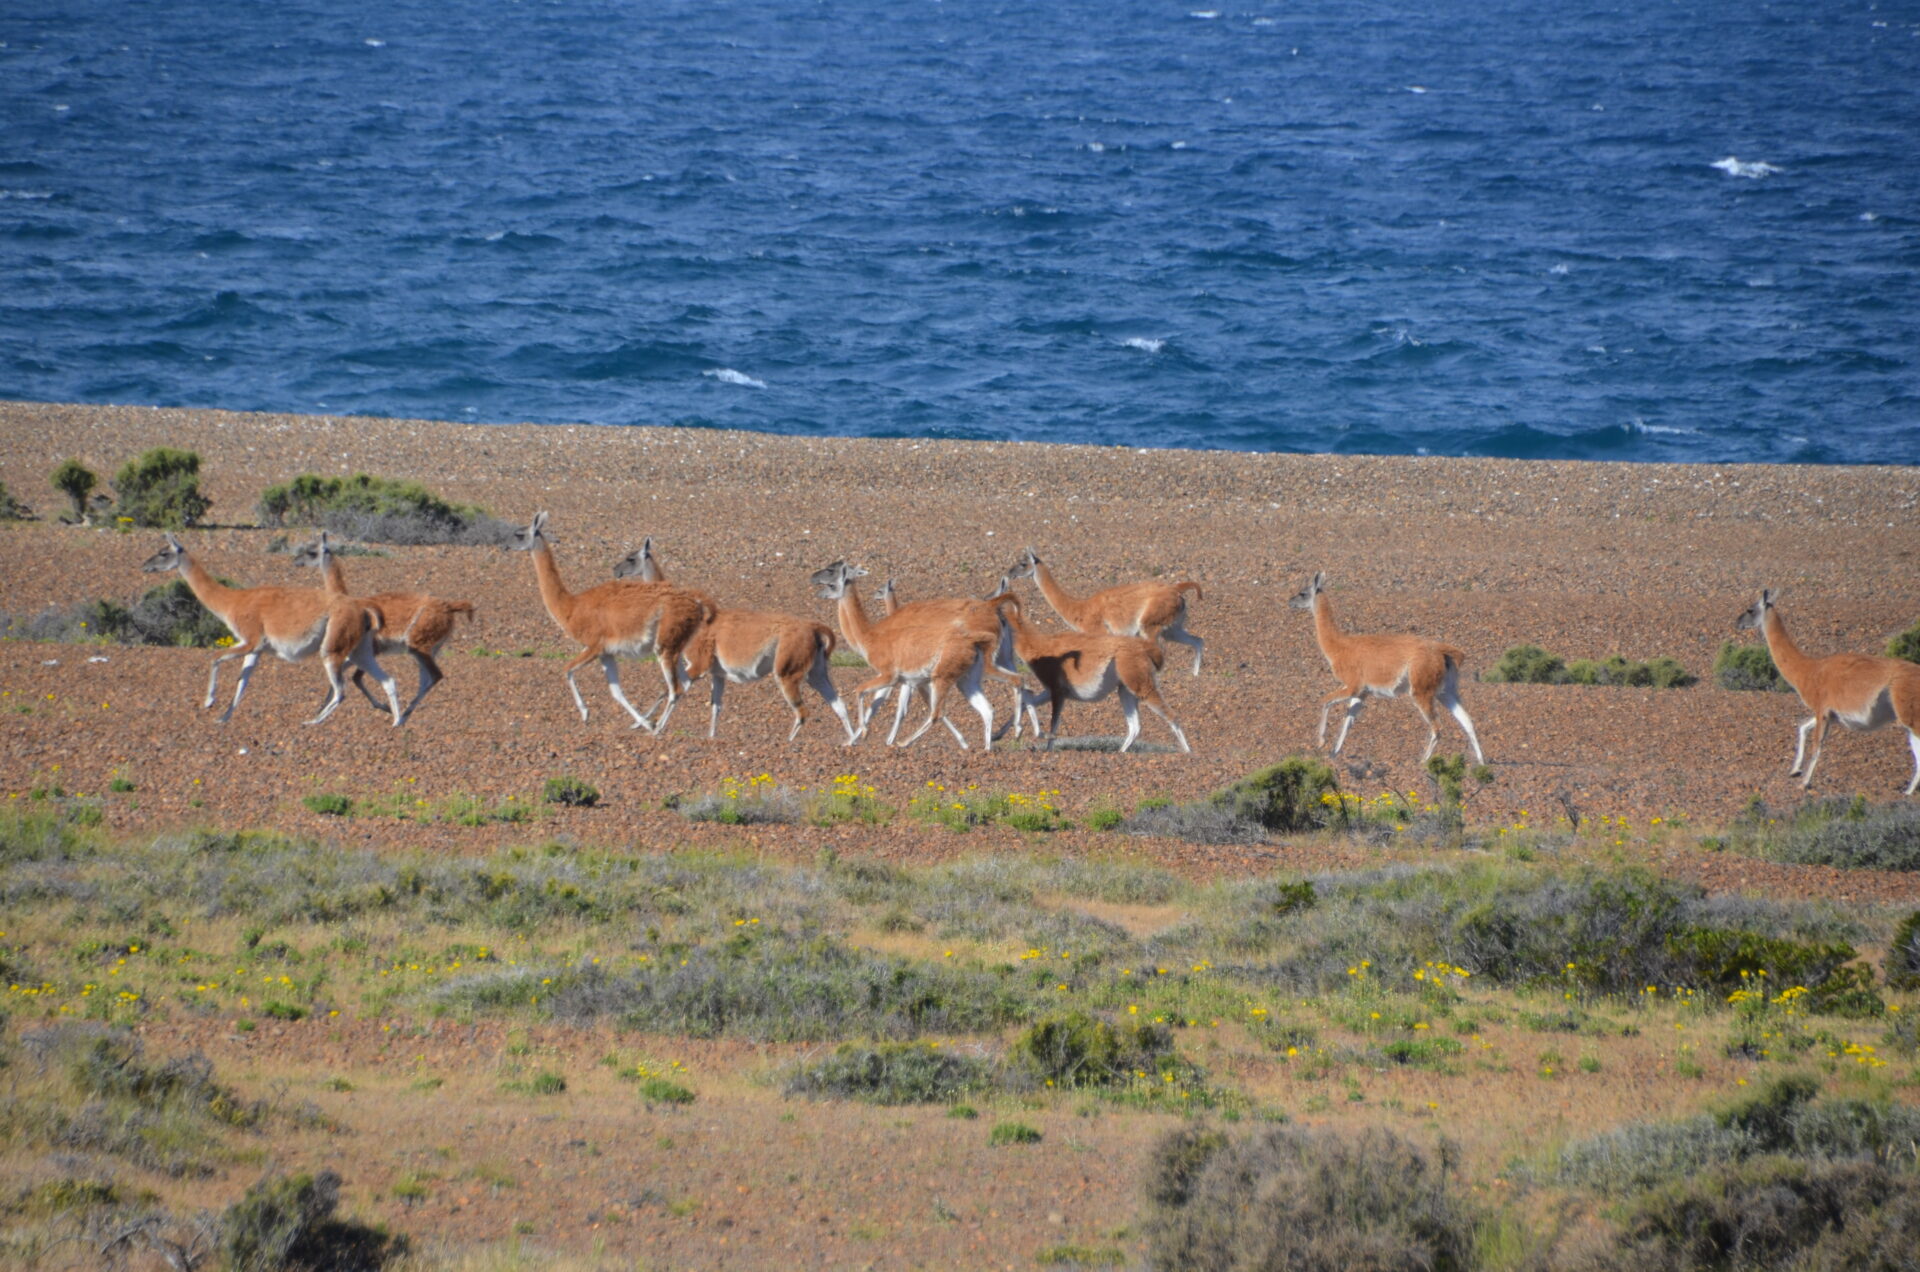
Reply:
x=330, y=576
x=853, y=619
x=1068, y=607
x=1788, y=658
x=206, y=589
x=1026, y=638
x=553, y=592
x=1325, y=630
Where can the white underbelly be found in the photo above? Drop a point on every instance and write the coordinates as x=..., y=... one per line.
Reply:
x=760, y=668
x=1392, y=689
x=1875, y=713
x=1098, y=688
x=300, y=648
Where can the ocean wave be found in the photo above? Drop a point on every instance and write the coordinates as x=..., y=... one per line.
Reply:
x=727, y=375
x=1146, y=344
x=1735, y=167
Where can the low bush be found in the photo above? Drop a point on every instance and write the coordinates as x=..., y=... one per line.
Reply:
x=570, y=791
x=1903, y=954
x=657, y=1090
x=893, y=1073
x=1303, y=1200
x=166, y=615
x=779, y=989
x=1747, y=667
x=1298, y=794
x=1005, y=1134
x=11, y=509
x=1530, y=664
x=329, y=804
x=1078, y=1049
x=289, y=1222
x=1782, y=1117
x=1775, y=1213
x=1906, y=645
x=1846, y=832
x=162, y=489
x=76, y=481
x=378, y=510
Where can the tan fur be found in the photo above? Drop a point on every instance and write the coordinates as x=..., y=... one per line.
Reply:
x=936, y=649
x=415, y=623
x=293, y=622
x=1386, y=666
x=621, y=618
x=742, y=646
x=1086, y=668
x=1151, y=610
x=1861, y=691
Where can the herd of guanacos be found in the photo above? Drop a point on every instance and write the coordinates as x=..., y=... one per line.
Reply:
x=930, y=648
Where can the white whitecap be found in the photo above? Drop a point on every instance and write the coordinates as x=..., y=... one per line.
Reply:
x=727, y=375
x=1558, y=269
x=1639, y=425
x=1753, y=170
x=1146, y=344
x=1864, y=216
x=1096, y=147
x=1205, y=15
x=1416, y=88
x=372, y=43
x=48, y=194
x=496, y=236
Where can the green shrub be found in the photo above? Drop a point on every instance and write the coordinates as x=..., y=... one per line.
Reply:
x=1747, y=667
x=570, y=791
x=1078, y=1049
x=1906, y=645
x=658, y=1090
x=1104, y=818
x=329, y=804
x=1847, y=832
x=11, y=509
x=288, y=1222
x=1527, y=665
x=1287, y=797
x=162, y=489
x=166, y=615
x=379, y=510
x=1777, y=1212
x=1903, y=955
x=1530, y=664
x=283, y=1011
x=76, y=481
x=893, y=1073
x=1291, y=1199
x=1006, y=1133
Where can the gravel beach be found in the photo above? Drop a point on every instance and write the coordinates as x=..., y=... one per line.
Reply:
x=1584, y=559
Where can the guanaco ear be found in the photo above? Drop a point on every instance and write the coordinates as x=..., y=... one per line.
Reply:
x=1033, y=558
x=1319, y=580
x=539, y=523
x=173, y=542
x=1766, y=597
x=646, y=546
x=852, y=571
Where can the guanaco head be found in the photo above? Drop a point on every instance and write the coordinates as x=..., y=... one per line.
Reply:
x=1756, y=614
x=530, y=538
x=1024, y=567
x=1303, y=599
x=833, y=581
x=315, y=553
x=640, y=564
x=167, y=558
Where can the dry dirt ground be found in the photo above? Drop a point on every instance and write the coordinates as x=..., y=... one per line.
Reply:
x=1584, y=559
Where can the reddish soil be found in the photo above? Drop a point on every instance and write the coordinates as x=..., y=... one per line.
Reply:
x=1584, y=559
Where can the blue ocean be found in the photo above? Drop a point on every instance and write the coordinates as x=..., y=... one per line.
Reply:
x=1635, y=231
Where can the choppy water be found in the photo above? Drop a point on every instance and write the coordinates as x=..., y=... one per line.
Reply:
x=1626, y=231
